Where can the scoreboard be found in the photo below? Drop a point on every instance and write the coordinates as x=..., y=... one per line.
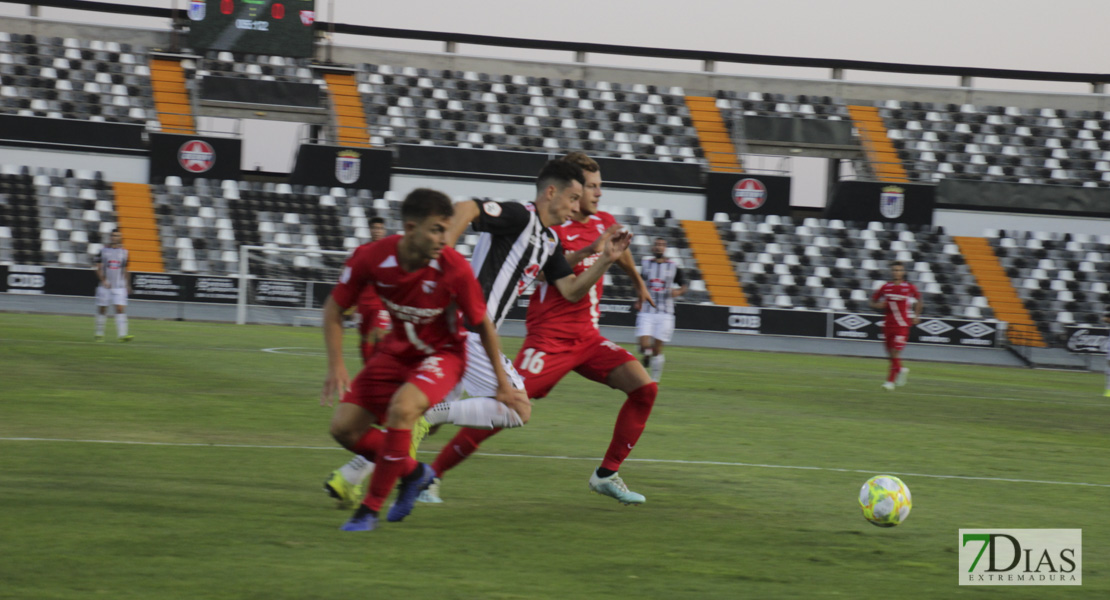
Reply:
x=275, y=27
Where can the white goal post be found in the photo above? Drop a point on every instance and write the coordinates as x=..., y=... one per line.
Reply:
x=285, y=285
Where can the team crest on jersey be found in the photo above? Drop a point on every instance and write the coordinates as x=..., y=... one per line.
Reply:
x=892, y=201
x=428, y=286
x=196, y=10
x=348, y=167
x=492, y=209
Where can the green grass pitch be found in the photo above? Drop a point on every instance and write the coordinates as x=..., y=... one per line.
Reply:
x=188, y=464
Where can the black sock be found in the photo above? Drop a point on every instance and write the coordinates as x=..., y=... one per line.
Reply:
x=602, y=472
x=364, y=510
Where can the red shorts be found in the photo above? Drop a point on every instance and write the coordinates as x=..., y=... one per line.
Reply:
x=542, y=362
x=435, y=375
x=894, y=337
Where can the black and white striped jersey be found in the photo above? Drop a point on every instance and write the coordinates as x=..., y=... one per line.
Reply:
x=660, y=278
x=513, y=249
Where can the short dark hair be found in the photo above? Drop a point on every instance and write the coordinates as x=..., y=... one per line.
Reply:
x=661, y=238
x=560, y=172
x=422, y=203
x=377, y=221
x=897, y=263
x=582, y=160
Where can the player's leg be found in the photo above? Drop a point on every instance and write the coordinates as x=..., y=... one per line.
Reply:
x=540, y=369
x=1107, y=392
x=102, y=303
x=480, y=409
x=661, y=333
x=889, y=345
x=119, y=298
x=613, y=365
x=425, y=386
x=644, y=336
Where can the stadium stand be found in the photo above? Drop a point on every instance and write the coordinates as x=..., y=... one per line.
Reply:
x=515, y=112
x=74, y=79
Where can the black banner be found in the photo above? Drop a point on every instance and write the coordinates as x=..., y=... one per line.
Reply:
x=793, y=322
x=1087, y=340
x=524, y=166
x=1023, y=198
x=740, y=193
x=190, y=156
x=215, y=290
x=885, y=202
x=789, y=130
x=946, y=332
x=88, y=135
x=159, y=286
x=277, y=292
x=3, y=278
x=337, y=166
x=259, y=91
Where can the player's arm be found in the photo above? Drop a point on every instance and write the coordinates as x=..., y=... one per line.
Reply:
x=628, y=264
x=465, y=213
x=578, y=256
x=680, y=280
x=344, y=295
x=100, y=267
x=574, y=288
x=877, y=300
x=123, y=273
x=337, y=381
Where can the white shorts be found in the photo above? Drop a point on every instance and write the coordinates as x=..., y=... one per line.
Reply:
x=479, y=380
x=113, y=296
x=657, y=325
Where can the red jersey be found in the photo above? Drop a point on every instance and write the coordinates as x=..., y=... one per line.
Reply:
x=424, y=304
x=897, y=296
x=549, y=313
x=369, y=305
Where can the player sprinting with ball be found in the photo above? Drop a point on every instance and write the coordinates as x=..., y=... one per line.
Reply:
x=893, y=297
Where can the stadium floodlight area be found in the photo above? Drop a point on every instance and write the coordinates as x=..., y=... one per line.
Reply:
x=286, y=286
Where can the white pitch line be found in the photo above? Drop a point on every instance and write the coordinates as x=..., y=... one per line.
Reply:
x=713, y=463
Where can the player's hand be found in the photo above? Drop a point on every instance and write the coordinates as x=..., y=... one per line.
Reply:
x=337, y=384
x=644, y=294
x=637, y=304
x=616, y=245
x=516, y=400
x=599, y=243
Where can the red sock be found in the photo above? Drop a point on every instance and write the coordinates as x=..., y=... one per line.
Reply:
x=464, y=444
x=392, y=464
x=370, y=444
x=630, y=424
x=895, y=366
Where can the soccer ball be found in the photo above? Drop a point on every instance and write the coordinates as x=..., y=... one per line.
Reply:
x=885, y=500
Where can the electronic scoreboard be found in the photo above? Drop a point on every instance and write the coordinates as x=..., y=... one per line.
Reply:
x=275, y=27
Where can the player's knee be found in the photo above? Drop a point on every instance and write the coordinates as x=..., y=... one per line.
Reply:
x=344, y=433
x=645, y=395
x=405, y=408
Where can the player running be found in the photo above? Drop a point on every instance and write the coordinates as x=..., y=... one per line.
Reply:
x=1106, y=319
x=426, y=287
x=893, y=297
x=563, y=337
x=111, y=270
x=655, y=324
x=515, y=247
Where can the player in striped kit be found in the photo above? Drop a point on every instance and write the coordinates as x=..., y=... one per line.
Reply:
x=563, y=337
x=655, y=324
x=111, y=270
x=894, y=297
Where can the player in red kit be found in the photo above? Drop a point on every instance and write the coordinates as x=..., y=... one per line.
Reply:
x=893, y=297
x=375, y=321
x=427, y=288
x=563, y=337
